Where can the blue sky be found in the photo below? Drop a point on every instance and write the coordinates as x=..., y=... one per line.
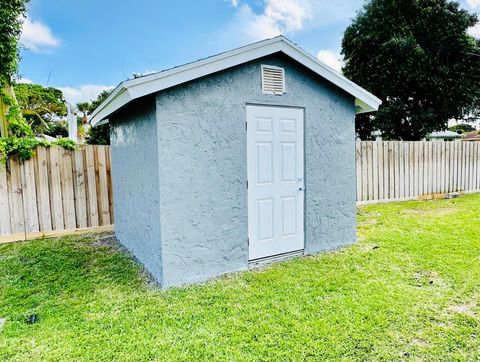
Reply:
x=85, y=46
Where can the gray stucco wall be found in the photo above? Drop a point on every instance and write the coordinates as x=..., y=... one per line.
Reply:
x=133, y=138
x=202, y=167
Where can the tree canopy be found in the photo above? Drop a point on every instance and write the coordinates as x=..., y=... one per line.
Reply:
x=42, y=107
x=417, y=57
x=16, y=136
x=99, y=135
x=11, y=17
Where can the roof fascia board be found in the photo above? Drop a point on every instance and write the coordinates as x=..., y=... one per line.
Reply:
x=200, y=70
x=108, y=100
x=112, y=103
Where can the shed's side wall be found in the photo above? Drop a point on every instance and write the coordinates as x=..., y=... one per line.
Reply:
x=133, y=138
x=202, y=159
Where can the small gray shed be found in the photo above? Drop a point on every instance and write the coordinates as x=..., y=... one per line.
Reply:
x=244, y=156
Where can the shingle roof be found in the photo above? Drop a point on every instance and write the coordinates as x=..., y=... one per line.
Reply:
x=471, y=136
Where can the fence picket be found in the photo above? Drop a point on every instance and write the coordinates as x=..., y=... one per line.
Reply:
x=471, y=164
x=15, y=197
x=29, y=196
x=55, y=184
x=364, y=171
x=401, y=173
x=92, y=205
x=391, y=168
x=358, y=168
x=4, y=204
x=79, y=187
x=455, y=165
x=477, y=144
x=370, y=169
x=381, y=169
x=375, y=170
x=43, y=193
x=447, y=166
x=108, y=157
x=386, y=171
x=103, y=203
x=462, y=154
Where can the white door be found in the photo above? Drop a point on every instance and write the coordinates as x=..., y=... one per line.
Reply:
x=275, y=180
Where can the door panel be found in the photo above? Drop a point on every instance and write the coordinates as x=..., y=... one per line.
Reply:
x=275, y=180
x=264, y=163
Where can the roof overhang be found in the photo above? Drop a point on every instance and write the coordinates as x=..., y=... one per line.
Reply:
x=132, y=89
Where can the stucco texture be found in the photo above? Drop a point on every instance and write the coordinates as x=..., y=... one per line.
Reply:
x=203, y=170
x=133, y=139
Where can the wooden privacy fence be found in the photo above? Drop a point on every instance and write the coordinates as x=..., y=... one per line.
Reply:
x=407, y=170
x=61, y=190
x=56, y=190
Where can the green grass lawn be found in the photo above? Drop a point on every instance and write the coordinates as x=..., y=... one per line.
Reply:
x=410, y=289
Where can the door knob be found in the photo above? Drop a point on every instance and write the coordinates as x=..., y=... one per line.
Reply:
x=301, y=188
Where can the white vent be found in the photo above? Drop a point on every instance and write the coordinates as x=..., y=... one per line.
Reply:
x=273, y=79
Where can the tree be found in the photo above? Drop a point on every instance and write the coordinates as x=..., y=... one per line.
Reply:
x=99, y=135
x=42, y=107
x=462, y=128
x=11, y=18
x=12, y=13
x=417, y=57
x=85, y=108
x=101, y=97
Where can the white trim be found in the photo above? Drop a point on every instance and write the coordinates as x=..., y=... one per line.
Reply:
x=265, y=128
x=142, y=86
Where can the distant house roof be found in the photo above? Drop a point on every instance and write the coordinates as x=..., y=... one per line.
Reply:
x=471, y=136
x=444, y=134
x=132, y=89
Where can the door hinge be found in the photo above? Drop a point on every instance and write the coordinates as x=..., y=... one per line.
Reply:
x=247, y=184
x=246, y=126
x=248, y=241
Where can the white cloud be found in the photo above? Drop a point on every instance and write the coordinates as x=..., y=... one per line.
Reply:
x=278, y=17
x=37, y=36
x=235, y=3
x=331, y=59
x=474, y=3
x=287, y=17
x=475, y=31
x=83, y=93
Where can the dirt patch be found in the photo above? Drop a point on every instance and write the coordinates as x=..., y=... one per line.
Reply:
x=418, y=342
x=361, y=238
x=102, y=241
x=368, y=247
x=364, y=213
x=367, y=222
x=428, y=278
x=467, y=309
